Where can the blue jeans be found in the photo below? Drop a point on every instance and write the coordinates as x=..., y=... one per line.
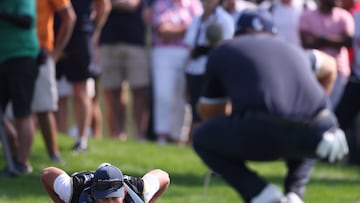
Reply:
x=226, y=143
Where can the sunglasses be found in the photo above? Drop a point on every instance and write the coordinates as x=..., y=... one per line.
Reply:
x=108, y=184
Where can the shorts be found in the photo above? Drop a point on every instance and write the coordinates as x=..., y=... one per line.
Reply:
x=64, y=87
x=17, y=83
x=77, y=65
x=45, y=93
x=122, y=62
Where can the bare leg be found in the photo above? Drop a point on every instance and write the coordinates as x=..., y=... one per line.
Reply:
x=141, y=111
x=12, y=136
x=82, y=110
x=115, y=113
x=61, y=115
x=26, y=131
x=48, y=128
x=97, y=120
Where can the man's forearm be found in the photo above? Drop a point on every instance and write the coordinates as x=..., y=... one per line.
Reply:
x=21, y=21
x=102, y=9
x=68, y=19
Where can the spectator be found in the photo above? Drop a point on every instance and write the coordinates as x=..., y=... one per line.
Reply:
x=169, y=54
x=330, y=29
x=18, y=71
x=198, y=44
x=348, y=109
x=352, y=6
x=235, y=7
x=279, y=111
x=45, y=95
x=78, y=62
x=286, y=15
x=124, y=58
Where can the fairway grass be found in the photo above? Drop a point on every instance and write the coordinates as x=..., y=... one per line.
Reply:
x=329, y=184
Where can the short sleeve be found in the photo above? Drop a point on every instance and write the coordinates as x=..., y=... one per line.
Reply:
x=349, y=24
x=63, y=187
x=151, y=186
x=228, y=26
x=191, y=32
x=27, y=7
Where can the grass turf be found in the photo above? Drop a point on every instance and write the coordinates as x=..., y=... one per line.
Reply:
x=329, y=184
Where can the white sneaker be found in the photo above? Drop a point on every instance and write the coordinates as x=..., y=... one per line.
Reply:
x=270, y=194
x=292, y=197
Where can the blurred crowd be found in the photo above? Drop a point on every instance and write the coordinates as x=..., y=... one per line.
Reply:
x=150, y=56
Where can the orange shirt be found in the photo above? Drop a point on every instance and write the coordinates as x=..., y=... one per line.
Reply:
x=45, y=20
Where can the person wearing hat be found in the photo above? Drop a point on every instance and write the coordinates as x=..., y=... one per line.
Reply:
x=107, y=184
x=279, y=111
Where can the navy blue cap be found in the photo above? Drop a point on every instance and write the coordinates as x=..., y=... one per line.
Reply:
x=259, y=20
x=111, y=179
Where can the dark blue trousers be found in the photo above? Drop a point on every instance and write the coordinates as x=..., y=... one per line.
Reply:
x=225, y=143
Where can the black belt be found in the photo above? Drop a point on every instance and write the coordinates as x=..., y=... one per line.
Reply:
x=283, y=122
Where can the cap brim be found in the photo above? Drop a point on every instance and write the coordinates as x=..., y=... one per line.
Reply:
x=101, y=194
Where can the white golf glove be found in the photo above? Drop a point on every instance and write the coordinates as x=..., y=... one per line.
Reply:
x=333, y=146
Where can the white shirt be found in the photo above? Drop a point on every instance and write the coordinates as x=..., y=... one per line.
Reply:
x=197, y=66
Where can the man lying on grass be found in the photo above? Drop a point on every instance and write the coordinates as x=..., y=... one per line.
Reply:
x=106, y=185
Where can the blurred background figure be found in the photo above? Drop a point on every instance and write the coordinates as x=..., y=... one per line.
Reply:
x=222, y=27
x=235, y=7
x=46, y=96
x=124, y=58
x=349, y=106
x=286, y=15
x=330, y=29
x=170, y=20
x=18, y=72
x=79, y=63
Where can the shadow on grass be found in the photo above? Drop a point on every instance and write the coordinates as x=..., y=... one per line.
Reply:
x=27, y=185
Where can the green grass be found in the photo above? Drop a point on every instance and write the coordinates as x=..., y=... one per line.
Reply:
x=329, y=183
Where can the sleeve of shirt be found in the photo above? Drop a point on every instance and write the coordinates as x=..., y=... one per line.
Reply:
x=151, y=186
x=213, y=90
x=349, y=23
x=63, y=187
x=190, y=35
x=228, y=27
x=26, y=7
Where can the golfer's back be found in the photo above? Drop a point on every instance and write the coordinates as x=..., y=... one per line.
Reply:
x=261, y=72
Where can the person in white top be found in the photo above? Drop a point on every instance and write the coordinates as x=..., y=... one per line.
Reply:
x=198, y=44
x=235, y=7
x=286, y=15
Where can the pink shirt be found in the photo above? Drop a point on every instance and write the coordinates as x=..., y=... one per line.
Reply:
x=335, y=24
x=178, y=13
